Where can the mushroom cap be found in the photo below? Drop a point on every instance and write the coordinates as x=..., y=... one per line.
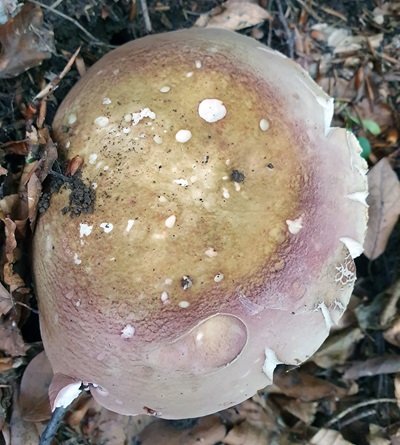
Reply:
x=226, y=218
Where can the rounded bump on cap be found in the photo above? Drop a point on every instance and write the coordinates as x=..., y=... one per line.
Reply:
x=214, y=343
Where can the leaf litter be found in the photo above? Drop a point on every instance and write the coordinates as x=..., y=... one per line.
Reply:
x=345, y=394
x=25, y=40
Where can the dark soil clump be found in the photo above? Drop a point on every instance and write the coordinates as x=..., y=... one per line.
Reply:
x=81, y=198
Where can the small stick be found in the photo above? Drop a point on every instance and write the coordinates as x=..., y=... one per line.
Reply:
x=93, y=39
x=289, y=34
x=146, y=16
x=50, y=87
x=52, y=427
x=355, y=407
x=56, y=4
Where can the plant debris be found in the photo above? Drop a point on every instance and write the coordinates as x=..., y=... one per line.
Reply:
x=349, y=391
x=25, y=41
x=384, y=207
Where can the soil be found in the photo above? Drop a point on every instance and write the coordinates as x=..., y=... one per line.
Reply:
x=306, y=402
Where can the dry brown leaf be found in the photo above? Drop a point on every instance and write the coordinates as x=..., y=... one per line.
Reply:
x=377, y=435
x=258, y=411
x=305, y=411
x=48, y=157
x=255, y=410
x=341, y=89
x=5, y=300
x=328, y=437
x=397, y=389
x=234, y=15
x=21, y=432
x=8, y=204
x=390, y=311
x=101, y=426
x=25, y=41
x=208, y=430
x=341, y=40
x=384, y=207
x=16, y=147
x=7, y=363
x=384, y=364
x=11, y=242
x=337, y=348
x=246, y=434
x=305, y=387
x=34, y=399
x=74, y=165
x=11, y=342
x=392, y=335
x=75, y=417
x=380, y=112
x=12, y=279
x=34, y=190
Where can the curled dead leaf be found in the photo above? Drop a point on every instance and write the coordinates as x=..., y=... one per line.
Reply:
x=11, y=342
x=102, y=426
x=397, y=389
x=16, y=147
x=34, y=190
x=5, y=300
x=49, y=154
x=208, y=430
x=257, y=411
x=11, y=242
x=245, y=433
x=392, y=335
x=305, y=411
x=34, y=399
x=234, y=15
x=341, y=40
x=25, y=41
x=328, y=437
x=300, y=385
x=383, y=364
x=384, y=207
x=21, y=431
x=74, y=165
x=337, y=348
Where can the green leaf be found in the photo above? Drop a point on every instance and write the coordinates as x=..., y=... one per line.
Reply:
x=371, y=126
x=366, y=147
x=367, y=124
x=353, y=118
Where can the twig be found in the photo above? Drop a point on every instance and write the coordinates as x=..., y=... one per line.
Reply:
x=310, y=10
x=52, y=427
x=357, y=417
x=56, y=4
x=146, y=16
x=93, y=39
x=289, y=34
x=50, y=87
x=27, y=307
x=333, y=12
x=350, y=409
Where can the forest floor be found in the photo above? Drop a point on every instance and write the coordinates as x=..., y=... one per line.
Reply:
x=349, y=392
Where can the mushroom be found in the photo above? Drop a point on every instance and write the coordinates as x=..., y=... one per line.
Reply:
x=220, y=237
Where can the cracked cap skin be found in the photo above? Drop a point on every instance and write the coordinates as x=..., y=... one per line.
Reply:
x=226, y=219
